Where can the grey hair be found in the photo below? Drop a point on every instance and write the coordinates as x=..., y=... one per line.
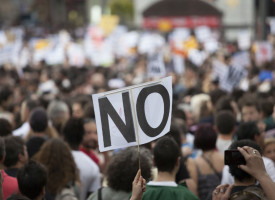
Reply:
x=56, y=109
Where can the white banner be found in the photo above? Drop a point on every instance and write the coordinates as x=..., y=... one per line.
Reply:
x=155, y=66
x=134, y=115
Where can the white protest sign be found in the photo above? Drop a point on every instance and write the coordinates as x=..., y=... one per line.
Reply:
x=241, y=58
x=134, y=115
x=264, y=52
x=272, y=25
x=75, y=54
x=178, y=63
x=244, y=40
x=203, y=33
x=197, y=57
x=155, y=66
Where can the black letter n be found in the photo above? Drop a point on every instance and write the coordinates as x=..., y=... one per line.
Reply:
x=127, y=129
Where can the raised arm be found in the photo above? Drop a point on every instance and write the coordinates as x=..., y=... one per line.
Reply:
x=138, y=187
x=255, y=167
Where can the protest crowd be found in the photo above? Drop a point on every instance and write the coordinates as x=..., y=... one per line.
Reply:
x=223, y=98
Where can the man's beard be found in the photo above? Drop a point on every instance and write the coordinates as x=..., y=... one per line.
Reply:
x=91, y=145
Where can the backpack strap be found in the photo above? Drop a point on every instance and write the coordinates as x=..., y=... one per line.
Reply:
x=99, y=194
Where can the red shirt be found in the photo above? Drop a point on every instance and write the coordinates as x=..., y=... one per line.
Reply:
x=91, y=154
x=10, y=185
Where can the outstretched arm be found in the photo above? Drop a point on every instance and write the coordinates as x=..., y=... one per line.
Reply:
x=138, y=187
x=255, y=167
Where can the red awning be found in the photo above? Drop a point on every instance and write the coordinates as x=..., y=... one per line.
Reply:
x=182, y=13
x=186, y=21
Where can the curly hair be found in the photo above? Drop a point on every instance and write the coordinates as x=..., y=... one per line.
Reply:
x=56, y=155
x=123, y=167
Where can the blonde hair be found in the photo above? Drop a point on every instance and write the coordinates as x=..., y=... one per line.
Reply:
x=268, y=141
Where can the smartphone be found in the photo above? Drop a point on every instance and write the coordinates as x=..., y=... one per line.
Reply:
x=233, y=157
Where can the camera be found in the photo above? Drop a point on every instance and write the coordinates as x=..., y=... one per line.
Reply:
x=233, y=157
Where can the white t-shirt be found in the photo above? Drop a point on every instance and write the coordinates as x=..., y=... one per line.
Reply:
x=223, y=145
x=227, y=178
x=22, y=131
x=89, y=173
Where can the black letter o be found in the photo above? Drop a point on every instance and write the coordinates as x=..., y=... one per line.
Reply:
x=144, y=93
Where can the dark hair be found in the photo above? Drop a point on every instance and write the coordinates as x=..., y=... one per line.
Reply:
x=119, y=179
x=73, y=132
x=34, y=144
x=250, y=101
x=166, y=153
x=225, y=122
x=82, y=100
x=216, y=94
x=205, y=137
x=5, y=93
x=14, y=147
x=267, y=107
x=89, y=110
x=17, y=197
x=2, y=148
x=178, y=113
x=32, y=104
x=32, y=178
x=39, y=120
x=247, y=130
x=5, y=127
x=224, y=103
x=175, y=133
x=234, y=170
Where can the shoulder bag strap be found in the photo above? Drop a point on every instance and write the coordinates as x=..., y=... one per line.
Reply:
x=99, y=194
x=211, y=166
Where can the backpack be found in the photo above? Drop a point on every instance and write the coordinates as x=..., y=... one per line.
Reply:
x=249, y=193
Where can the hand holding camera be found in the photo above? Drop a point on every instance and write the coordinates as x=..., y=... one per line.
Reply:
x=254, y=162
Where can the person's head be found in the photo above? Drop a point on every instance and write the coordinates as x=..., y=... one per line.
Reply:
x=175, y=132
x=225, y=103
x=250, y=109
x=119, y=179
x=16, y=152
x=38, y=120
x=225, y=122
x=73, y=132
x=266, y=107
x=189, y=114
x=5, y=127
x=2, y=150
x=78, y=106
x=166, y=155
x=249, y=130
x=32, y=180
x=216, y=94
x=90, y=139
x=59, y=113
x=26, y=107
x=269, y=148
x=56, y=156
x=198, y=101
x=178, y=126
x=5, y=96
x=234, y=170
x=205, y=137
